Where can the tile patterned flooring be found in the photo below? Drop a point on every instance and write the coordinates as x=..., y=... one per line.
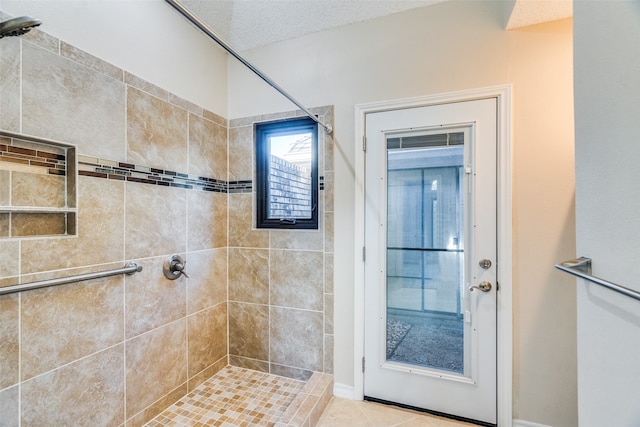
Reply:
x=353, y=413
x=243, y=397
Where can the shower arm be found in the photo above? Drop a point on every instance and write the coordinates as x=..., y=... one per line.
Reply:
x=208, y=31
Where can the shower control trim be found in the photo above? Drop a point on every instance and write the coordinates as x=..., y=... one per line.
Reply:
x=174, y=266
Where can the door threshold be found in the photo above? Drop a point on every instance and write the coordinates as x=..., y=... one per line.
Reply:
x=429, y=411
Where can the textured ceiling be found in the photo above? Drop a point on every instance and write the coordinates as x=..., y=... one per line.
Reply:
x=246, y=24
x=529, y=12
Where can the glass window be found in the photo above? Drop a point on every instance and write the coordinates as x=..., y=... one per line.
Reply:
x=287, y=174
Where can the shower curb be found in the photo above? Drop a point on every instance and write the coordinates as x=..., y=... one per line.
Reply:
x=307, y=407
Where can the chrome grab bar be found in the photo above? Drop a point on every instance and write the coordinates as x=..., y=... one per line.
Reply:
x=130, y=268
x=581, y=267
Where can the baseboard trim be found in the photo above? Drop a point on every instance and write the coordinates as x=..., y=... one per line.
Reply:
x=523, y=423
x=344, y=391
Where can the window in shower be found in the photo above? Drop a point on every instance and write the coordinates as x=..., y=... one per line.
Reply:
x=287, y=174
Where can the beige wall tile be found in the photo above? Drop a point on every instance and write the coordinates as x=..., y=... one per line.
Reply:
x=10, y=84
x=249, y=330
x=207, y=282
x=100, y=226
x=328, y=232
x=207, y=148
x=286, y=419
x=69, y=102
x=9, y=340
x=300, y=270
x=328, y=313
x=242, y=121
x=5, y=225
x=296, y=279
x=146, y=86
x=253, y=364
x=321, y=405
x=209, y=115
x=313, y=383
x=329, y=143
x=37, y=224
x=28, y=189
x=207, y=220
x=5, y=184
x=241, y=153
x=241, y=232
x=328, y=273
x=295, y=338
x=328, y=354
x=9, y=281
x=207, y=338
x=302, y=417
x=148, y=413
x=328, y=192
x=152, y=300
x=312, y=240
x=207, y=373
x=155, y=220
x=322, y=384
x=10, y=254
x=43, y=40
x=185, y=105
x=249, y=275
x=10, y=407
x=156, y=364
x=63, y=323
x=221, y=217
x=88, y=392
x=290, y=372
x=91, y=61
x=156, y=132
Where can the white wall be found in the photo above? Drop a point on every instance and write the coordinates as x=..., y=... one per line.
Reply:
x=148, y=38
x=447, y=47
x=607, y=88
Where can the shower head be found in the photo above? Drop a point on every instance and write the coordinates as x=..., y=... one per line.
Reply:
x=18, y=26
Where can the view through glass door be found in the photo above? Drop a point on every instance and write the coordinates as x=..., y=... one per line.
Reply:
x=425, y=250
x=430, y=269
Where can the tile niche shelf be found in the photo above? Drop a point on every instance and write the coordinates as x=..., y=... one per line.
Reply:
x=38, y=191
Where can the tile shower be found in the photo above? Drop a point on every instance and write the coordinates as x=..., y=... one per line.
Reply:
x=157, y=175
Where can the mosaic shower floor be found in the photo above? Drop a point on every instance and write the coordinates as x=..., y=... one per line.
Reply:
x=242, y=397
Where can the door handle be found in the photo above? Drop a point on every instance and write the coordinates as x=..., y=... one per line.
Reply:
x=484, y=287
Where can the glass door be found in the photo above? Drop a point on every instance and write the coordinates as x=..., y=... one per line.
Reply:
x=430, y=298
x=425, y=250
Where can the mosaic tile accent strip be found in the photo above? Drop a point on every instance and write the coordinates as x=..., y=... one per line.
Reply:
x=240, y=186
x=102, y=168
x=30, y=160
x=233, y=397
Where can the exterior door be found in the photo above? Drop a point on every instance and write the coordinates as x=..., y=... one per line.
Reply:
x=430, y=265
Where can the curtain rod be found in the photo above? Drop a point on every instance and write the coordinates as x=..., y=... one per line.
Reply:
x=208, y=31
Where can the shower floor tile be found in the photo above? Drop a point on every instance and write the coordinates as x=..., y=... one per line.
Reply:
x=233, y=397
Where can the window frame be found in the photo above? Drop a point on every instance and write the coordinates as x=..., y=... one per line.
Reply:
x=262, y=132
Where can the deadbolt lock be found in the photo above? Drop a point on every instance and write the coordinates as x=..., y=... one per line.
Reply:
x=485, y=263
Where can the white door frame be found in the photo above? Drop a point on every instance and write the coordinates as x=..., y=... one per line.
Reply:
x=504, y=238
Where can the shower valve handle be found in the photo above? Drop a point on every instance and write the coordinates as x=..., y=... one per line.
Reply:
x=177, y=266
x=174, y=267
